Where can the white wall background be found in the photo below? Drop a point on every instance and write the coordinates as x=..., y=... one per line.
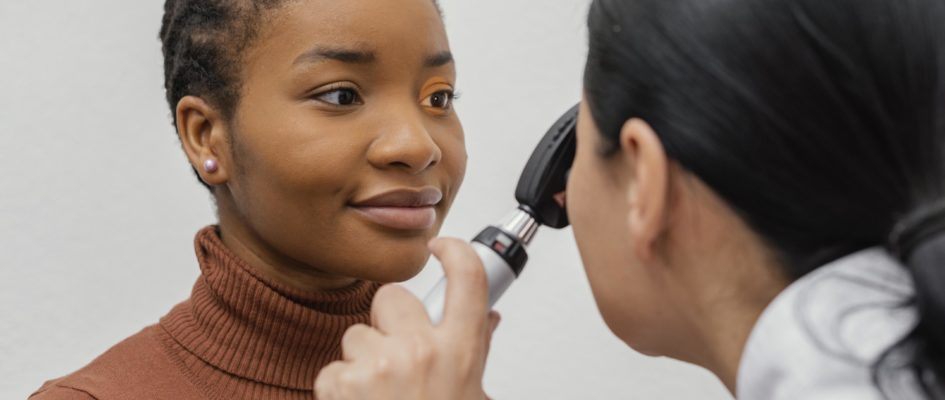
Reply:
x=98, y=207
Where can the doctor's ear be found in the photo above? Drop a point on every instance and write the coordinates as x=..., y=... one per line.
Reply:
x=648, y=191
x=203, y=135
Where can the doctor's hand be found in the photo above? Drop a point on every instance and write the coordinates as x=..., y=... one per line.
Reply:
x=404, y=356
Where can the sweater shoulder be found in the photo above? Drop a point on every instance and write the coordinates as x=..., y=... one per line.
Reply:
x=53, y=390
x=135, y=368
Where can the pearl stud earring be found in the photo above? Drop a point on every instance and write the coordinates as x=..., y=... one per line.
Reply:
x=211, y=166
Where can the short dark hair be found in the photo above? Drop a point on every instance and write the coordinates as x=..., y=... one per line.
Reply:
x=202, y=41
x=821, y=123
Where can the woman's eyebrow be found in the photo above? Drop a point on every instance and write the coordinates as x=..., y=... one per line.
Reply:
x=356, y=56
x=351, y=56
x=439, y=59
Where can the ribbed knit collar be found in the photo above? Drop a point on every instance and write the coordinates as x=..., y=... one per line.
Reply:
x=251, y=327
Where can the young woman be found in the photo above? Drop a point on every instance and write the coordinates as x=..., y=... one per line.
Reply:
x=324, y=131
x=758, y=190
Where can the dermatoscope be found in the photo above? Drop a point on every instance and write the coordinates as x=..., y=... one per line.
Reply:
x=503, y=247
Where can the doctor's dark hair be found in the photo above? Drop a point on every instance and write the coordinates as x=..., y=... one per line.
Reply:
x=821, y=123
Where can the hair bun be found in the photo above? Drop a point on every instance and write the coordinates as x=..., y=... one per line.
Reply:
x=916, y=228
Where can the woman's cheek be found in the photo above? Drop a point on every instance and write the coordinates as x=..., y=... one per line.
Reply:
x=575, y=199
x=455, y=158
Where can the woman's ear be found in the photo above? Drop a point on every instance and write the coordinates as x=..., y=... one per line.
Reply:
x=203, y=135
x=648, y=192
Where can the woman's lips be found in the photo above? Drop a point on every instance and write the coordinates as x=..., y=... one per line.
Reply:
x=402, y=218
x=402, y=209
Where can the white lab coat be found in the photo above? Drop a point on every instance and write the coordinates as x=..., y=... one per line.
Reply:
x=821, y=336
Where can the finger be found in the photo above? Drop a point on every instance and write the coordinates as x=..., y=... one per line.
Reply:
x=467, y=290
x=361, y=341
x=494, y=319
x=396, y=310
x=326, y=383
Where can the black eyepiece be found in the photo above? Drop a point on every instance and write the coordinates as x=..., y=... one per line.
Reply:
x=546, y=173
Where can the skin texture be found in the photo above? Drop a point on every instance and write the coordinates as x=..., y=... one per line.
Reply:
x=675, y=272
x=340, y=101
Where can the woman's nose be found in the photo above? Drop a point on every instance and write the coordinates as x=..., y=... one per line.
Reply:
x=405, y=145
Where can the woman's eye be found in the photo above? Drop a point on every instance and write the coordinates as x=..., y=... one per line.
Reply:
x=442, y=100
x=340, y=97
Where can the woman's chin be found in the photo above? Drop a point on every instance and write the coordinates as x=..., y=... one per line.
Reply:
x=395, y=266
x=391, y=275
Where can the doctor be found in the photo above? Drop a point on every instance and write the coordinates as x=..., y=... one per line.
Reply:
x=759, y=189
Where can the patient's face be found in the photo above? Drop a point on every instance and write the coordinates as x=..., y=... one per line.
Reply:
x=348, y=153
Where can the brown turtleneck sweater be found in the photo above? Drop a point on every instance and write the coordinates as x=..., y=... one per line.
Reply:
x=239, y=336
